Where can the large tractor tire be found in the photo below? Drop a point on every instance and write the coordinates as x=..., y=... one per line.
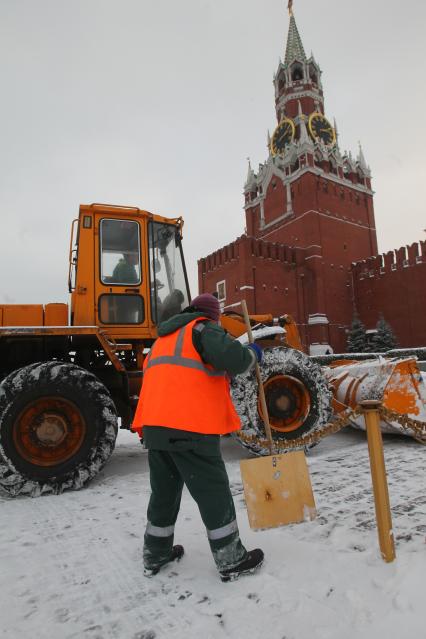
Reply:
x=58, y=426
x=297, y=396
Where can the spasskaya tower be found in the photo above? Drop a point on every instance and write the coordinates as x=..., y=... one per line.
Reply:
x=309, y=215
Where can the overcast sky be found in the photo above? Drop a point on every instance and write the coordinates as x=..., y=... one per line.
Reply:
x=158, y=103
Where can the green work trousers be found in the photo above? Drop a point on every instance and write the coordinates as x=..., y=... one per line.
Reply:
x=207, y=481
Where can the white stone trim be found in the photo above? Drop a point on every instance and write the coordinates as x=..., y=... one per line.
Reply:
x=331, y=177
x=262, y=212
x=218, y=284
x=317, y=318
x=303, y=93
x=284, y=216
x=289, y=200
x=333, y=217
x=246, y=286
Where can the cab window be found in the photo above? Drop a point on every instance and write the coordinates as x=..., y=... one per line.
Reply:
x=120, y=252
x=169, y=283
x=121, y=309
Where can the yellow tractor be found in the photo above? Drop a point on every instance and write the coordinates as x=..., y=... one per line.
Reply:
x=70, y=375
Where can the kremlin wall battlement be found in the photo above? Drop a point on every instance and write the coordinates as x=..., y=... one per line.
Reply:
x=397, y=259
x=393, y=284
x=277, y=278
x=256, y=248
x=265, y=274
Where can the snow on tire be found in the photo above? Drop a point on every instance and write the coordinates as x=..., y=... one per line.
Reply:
x=58, y=426
x=297, y=394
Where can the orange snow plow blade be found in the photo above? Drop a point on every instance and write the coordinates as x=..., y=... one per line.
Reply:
x=397, y=383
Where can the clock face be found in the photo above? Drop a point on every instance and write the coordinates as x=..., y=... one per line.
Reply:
x=320, y=128
x=283, y=135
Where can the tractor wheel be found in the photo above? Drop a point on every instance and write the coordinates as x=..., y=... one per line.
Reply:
x=297, y=396
x=58, y=426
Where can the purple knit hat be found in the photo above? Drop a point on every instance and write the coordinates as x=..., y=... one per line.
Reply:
x=207, y=304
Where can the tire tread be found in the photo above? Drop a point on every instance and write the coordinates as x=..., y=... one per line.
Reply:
x=14, y=482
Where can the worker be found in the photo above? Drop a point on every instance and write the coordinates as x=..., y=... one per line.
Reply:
x=172, y=304
x=125, y=270
x=184, y=408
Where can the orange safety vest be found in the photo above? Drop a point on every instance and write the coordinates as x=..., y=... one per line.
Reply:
x=180, y=391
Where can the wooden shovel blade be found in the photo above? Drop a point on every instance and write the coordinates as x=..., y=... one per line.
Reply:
x=277, y=490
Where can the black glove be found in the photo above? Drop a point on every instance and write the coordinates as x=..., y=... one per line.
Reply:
x=257, y=351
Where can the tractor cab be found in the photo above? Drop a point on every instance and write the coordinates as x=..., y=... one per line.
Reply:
x=127, y=271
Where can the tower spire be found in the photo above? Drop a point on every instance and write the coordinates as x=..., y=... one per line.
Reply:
x=251, y=178
x=361, y=158
x=294, y=49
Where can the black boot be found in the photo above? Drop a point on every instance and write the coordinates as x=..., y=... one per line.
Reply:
x=176, y=554
x=247, y=566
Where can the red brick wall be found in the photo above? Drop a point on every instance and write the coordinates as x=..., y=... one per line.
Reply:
x=275, y=202
x=286, y=282
x=394, y=284
x=292, y=106
x=343, y=212
x=277, y=279
x=265, y=274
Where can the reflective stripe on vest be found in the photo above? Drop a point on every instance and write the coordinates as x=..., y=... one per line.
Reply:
x=178, y=360
x=224, y=531
x=159, y=531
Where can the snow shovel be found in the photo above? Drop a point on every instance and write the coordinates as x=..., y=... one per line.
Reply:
x=277, y=488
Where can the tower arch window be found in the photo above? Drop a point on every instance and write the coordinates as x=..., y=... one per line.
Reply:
x=295, y=166
x=297, y=72
x=281, y=83
x=313, y=74
x=318, y=160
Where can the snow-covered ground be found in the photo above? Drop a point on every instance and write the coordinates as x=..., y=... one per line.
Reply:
x=71, y=565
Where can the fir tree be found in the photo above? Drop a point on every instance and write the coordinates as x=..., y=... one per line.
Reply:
x=357, y=338
x=384, y=340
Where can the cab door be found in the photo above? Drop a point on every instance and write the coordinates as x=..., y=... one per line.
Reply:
x=119, y=281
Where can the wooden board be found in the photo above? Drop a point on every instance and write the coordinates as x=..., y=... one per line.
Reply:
x=277, y=490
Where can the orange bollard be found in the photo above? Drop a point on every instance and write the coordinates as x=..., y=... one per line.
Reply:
x=378, y=475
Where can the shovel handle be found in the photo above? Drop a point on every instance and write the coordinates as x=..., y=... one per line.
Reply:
x=259, y=382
